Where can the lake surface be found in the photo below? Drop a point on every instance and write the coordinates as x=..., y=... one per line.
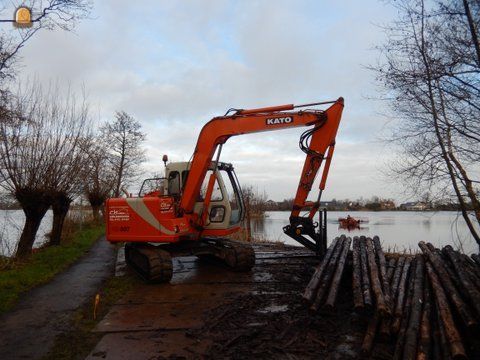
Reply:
x=398, y=230
x=11, y=225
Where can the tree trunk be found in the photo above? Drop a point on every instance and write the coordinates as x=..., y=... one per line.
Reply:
x=34, y=204
x=60, y=205
x=96, y=212
x=96, y=202
x=473, y=30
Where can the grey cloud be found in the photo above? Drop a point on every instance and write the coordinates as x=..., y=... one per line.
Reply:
x=174, y=65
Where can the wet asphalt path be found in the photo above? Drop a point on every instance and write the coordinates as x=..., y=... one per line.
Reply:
x=29, y=330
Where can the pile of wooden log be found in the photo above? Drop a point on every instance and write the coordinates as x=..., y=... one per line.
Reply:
x=436, y=311
x=427, y=305
x=323, y=288
x=371, y=288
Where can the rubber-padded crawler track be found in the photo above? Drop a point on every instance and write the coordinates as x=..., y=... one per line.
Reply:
x=151, y=263
x=239, y=256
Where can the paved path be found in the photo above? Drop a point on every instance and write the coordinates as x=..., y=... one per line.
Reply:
x=30, y=329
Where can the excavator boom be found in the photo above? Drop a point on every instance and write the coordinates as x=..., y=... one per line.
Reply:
x=318, y=143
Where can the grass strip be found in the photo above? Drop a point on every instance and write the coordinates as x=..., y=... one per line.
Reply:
x=44, y=264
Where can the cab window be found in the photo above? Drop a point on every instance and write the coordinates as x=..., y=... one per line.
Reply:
x=174, y=183
x=217, y=191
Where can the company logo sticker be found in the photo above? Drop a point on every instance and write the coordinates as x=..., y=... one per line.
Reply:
x=119, y=214
x=279, y=120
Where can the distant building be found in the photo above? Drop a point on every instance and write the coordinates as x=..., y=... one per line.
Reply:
x=271, y=205
x=387, y=205
x=413, y=206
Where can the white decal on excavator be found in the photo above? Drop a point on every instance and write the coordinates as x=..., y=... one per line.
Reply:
x=281, y=120
x=119, y=213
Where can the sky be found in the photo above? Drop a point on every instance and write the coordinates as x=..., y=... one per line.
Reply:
x=173, y=65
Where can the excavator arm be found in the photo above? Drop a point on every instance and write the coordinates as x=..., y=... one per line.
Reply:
x=317, y=142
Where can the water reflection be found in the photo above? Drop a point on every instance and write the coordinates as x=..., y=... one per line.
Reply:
x=398, y=231
x=427, y=223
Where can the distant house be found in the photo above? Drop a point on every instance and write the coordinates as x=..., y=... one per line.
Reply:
x=413, y=206
x=270, y=204
x=387, y=205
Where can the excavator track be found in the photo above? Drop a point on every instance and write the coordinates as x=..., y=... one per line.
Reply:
x=153, y=264
x=238, y=256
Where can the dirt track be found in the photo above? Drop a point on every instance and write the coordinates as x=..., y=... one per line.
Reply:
x=30, y=329
x=209, y=312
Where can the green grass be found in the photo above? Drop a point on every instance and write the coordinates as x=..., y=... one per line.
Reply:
x=43, y=265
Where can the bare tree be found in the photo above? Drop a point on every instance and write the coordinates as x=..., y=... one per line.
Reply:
x=100, y=180
x=123, y=139
x=431, y=75
x=40, y=157
x=24, y=164
x=69, y=126
x=49, y=15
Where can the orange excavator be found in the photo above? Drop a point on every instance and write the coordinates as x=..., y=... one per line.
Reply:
x=193, y=209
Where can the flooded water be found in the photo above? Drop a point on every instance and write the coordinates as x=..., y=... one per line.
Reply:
x=11, y=224
x=398, y=230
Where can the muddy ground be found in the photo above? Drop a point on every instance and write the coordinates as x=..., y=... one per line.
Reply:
x=207, y=312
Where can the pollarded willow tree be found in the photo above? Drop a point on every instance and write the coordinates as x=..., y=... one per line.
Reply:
x=42, y=143
x=69, y=127
x=100, y=179
x=431, y=73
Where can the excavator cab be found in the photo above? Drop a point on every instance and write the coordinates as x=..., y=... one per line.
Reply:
x=225, y=209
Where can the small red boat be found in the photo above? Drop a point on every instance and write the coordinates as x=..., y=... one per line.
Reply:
x=349, y=222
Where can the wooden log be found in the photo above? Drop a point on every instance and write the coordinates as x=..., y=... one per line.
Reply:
x=385, y=323
x=358, y=303
x=366, y=289
x=424, y=345
x=314, y=283
x=445, y=315
x=369, y=337
x=411, y=336
x=472, y=267
x=474, y=275
x=329, y=273
x=434, y=331
x=382, y=265
x=452, y=274
x=392, y=264
x=400, y=300
x=476, y=258
x=332, y=294
x=381, y=305
x=445, y=353
x=399, y=345
x=452, y=293
x=396, y=278
x=469, y=287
